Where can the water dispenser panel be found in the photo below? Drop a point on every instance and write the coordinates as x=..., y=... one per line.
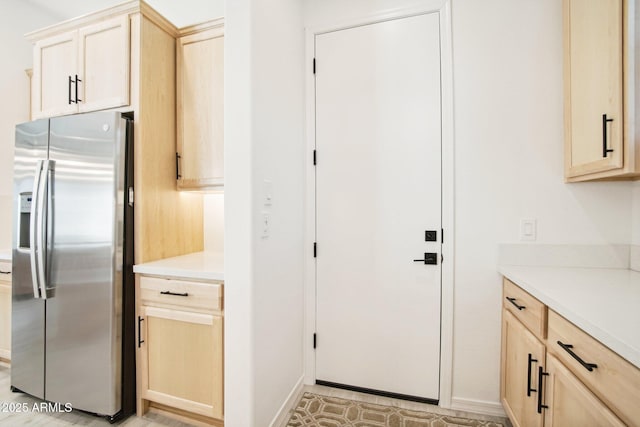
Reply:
x=25, y=221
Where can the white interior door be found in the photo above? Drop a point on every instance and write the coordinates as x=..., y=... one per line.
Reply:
x=378, y=189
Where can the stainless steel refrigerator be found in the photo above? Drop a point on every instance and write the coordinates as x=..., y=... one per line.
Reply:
x=73, y=290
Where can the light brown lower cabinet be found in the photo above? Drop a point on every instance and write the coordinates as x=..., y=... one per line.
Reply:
x=522, y=354
x=180, y=348
x=5, y=310
x=547, y=384
x=570, y=403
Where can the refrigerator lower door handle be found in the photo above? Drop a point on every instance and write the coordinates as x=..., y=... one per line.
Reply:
x=41, y=226
x=33, y=238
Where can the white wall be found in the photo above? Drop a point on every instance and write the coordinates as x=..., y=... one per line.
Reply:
x=239, y=388
x=509, y=165
x=508, y=162
x=279, y=157
x=264, y=125
x=635, y=237
x=16, y=19
x=213, y=211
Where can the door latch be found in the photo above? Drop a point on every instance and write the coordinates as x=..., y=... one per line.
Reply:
x=429, y=258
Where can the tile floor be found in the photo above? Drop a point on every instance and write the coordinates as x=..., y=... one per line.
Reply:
x=76, y=418
x=10, y=400
x=397, y=403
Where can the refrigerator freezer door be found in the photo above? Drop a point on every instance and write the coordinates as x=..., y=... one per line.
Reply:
x=27, y=322
x=83, y=325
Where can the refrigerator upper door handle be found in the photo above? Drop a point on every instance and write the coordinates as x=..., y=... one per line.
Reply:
x=40, y=228
x=33, y=238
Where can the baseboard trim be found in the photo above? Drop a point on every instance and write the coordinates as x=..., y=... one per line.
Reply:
x=478, y=407
x=285, y=410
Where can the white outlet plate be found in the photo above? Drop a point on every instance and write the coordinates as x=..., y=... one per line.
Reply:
x=528, y=230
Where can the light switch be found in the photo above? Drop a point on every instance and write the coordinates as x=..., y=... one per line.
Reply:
x=528, y=230
x=267, y=188
x=265, y=224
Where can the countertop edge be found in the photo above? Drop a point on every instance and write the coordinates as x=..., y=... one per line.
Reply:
x=178, y=273
x=197, y=265
x=624, y=350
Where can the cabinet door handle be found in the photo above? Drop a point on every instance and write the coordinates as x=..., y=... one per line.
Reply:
x=185, y=294
x=140, y=320
x=513, y=301
x=605, y=150
x=541, y=374
x=178, y=176
x=5, y=272
x=77, y=81
x=567, y=347
x=529, y=389
x=70, y=81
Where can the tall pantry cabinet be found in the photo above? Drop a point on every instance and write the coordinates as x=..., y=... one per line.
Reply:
x=124, y=58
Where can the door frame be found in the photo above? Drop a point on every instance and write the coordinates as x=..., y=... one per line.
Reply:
x=443, y=8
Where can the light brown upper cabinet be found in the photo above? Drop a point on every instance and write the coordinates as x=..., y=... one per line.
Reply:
x=599, y=118
x=200, y=112
x=86, y=69
x=125, y=59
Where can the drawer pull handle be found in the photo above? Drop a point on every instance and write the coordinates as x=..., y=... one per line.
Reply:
x=567, y=347
x=174, y=294
x=5, y=272
x=513, y=301
x=140, y=320
x=529, y=389
x=541, y=374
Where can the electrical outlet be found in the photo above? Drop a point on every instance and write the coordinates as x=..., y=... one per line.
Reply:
x=528, y=230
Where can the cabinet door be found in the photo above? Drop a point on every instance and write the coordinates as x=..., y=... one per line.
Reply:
x=570, y=403
x=200, y=89
x=182, y=360
x=55, y=62
x=5, y=321
x=104, y=64
x=522, y=355
x=593, y=85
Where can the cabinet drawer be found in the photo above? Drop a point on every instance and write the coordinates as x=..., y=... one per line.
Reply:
x=182, y=293
x=528, y=310
x=613, y=379
x=5, y=271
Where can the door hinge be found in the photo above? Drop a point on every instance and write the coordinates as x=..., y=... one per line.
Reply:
x=441, y=258
x=442, y=235
x=314, y=65
x=315, y=250
x=130, y=202
x=314, y=157
x=315, y=341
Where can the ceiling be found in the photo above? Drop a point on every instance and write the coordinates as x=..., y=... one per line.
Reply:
x=180, y=13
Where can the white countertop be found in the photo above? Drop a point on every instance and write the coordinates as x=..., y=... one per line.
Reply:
x=603, y=302
x=5, y=255
x=198, y=265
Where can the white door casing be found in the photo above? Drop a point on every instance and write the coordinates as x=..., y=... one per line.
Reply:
x=378, y=182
